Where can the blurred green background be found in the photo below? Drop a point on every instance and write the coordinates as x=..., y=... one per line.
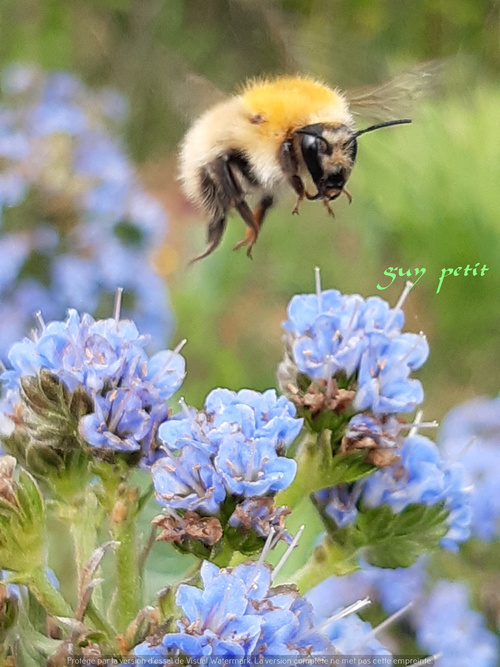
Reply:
x=424, y=196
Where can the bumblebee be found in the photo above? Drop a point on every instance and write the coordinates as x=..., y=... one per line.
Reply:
x=275, y=133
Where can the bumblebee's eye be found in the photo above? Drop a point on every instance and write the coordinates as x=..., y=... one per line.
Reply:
x=351, y=147
x=311, y=147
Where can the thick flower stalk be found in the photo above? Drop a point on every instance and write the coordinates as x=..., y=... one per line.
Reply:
x=226, y=462
x=75, y=222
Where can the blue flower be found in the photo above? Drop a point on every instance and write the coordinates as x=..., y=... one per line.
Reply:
x=188, y=481
x=383, y=375
x=446, y=624
x=396, y=588
x=252, y=468
x=248, y=413
x=334, y=335
x=216, y=619
x=339, y=503
x=422, y=476
x=471, y=433
x=119, y=422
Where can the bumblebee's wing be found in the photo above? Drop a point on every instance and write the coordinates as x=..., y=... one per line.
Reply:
x=189, y=93
x=397, y=97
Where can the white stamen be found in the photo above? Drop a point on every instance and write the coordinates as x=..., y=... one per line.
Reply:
x=287, y=553
x=429, y=661
x=317, y=281
x=266, y=548
x=399, y=304
x=351, y=609
x=383, y=625
x=118, y=305
x=179, y=347
x=192, y=421
x=40, y=320
x=415, y=427
x=416, y=424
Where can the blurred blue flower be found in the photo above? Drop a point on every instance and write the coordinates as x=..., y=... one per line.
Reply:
x=394, y=588
x=339, y=503
x=63, y=170
x=329, y=334
x=352, y=636
x=446, y=624
x=470, y=433
x=422, y=476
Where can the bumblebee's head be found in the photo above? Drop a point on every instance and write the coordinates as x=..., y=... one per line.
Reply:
x=329, y=153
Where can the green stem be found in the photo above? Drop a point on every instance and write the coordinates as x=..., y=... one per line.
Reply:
x=83, y=530
x=328, y=558
x=101, y=623
x=314, y=458
x=50, y=598
x=128, y=579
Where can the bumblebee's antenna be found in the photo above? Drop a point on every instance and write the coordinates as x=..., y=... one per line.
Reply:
x=402, y=121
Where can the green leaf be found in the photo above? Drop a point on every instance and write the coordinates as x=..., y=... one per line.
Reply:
x=396, y=540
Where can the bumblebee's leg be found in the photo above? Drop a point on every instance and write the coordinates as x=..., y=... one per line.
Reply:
x=259, y=214
x=326, y=204
x=216, y=228
x=290, y=166
x=221, y=192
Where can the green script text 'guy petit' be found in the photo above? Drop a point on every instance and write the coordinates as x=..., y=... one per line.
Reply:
x=393, y=272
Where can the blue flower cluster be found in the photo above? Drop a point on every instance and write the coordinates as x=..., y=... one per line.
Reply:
x=446, y=624
x=420, y=476
x=75, y=222
x=238, y=614
x=107, y=359
x=471, y=433
x=329, y=333
x=234, y=447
